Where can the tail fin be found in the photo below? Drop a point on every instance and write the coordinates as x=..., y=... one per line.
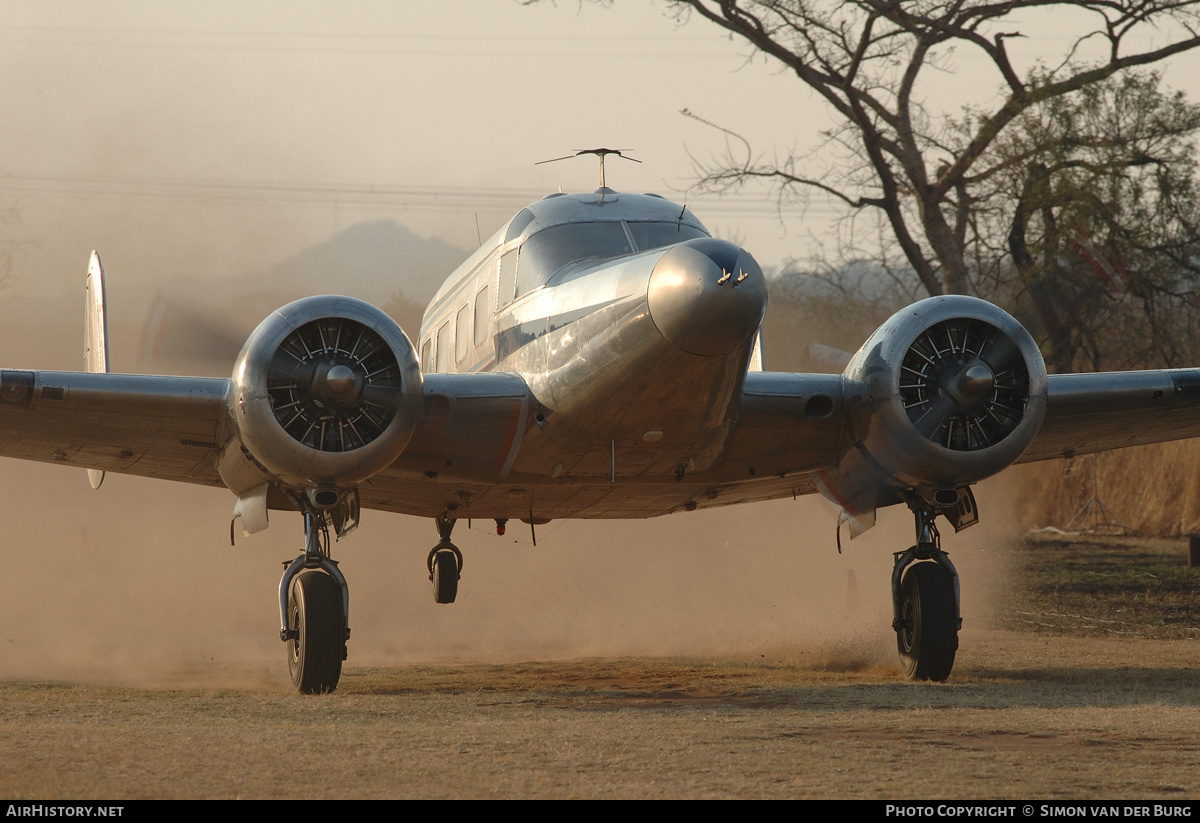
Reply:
x=95, y=351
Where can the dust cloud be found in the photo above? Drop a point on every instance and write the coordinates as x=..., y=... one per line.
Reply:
x=137, y=582
x=763, y=580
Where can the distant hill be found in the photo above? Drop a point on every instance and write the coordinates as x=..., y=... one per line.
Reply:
x=374, y=261
x=197, y=325
x=371, y=261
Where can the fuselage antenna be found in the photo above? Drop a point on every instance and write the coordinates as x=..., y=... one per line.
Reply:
x=601, y=153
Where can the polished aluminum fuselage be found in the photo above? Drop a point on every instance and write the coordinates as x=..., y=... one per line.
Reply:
x=635, y=367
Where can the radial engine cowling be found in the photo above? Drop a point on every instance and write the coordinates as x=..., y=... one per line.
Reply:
x=945, y=393
x=326, y=392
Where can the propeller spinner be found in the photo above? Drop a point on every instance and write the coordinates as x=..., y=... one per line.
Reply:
x=964, y=384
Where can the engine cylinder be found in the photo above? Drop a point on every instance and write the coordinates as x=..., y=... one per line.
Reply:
x=326, y=392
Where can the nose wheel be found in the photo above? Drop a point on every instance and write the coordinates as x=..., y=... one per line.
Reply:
x=445, y=564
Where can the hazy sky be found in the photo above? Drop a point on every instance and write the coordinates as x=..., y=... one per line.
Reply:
x=228, y=134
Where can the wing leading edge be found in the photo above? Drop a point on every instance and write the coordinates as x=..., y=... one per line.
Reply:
x=173, y=428
x=1085, y=413
x=1088, y=413
x=168, y=428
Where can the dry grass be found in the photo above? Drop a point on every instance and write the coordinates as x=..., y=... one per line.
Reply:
x=1154, y=490
x=1133, y=587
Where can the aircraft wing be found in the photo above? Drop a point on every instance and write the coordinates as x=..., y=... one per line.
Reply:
x=163, y=427
x=793, y=422
x=171, y=428
x=1088, y=413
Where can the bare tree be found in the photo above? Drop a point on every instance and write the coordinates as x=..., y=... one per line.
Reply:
x=1090, y=216
x=866, y=58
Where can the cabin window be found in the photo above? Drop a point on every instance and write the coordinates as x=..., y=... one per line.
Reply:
x=549, y=250
x=443, y=348
x=508, y=278
x=427, y=355
x=656, y=235
x=483, y=314
x=462, y=337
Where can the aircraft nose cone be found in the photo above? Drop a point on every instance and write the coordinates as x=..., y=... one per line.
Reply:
x=707, y=296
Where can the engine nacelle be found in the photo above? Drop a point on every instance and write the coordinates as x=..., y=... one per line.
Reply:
x=945, y=393
x=326, y=392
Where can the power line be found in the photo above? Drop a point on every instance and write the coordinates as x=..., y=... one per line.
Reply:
x=352, y=43
x=429, y=198
x=327, y=35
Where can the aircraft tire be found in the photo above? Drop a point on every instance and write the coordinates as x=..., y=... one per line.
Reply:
x=445, y=576
x=929, y=639
x=315, y=613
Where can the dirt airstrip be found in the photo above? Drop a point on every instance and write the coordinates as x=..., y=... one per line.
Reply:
x=657, y=659
x=1026, y=716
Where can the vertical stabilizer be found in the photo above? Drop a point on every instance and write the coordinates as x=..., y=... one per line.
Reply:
x=95, y=343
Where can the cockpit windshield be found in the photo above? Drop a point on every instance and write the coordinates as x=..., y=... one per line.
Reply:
x=656, y=235
x=549, y=250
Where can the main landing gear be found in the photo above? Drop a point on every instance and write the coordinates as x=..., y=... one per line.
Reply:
x=314, y=603
x=445, y=564
x=925, y=604
x=314, y=608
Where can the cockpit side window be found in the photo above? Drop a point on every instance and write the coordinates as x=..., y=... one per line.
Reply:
x=656, y=235
x=550, y=249
x=524, y=218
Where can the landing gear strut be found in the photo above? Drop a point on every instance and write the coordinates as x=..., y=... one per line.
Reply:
x=314, y=608
x=925, y=604
x=445, y=564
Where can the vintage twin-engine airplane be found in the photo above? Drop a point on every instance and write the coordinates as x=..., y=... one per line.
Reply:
x=598, y=357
